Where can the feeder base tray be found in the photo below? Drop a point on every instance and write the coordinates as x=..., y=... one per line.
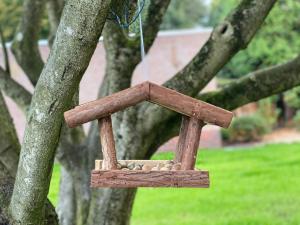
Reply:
x=153, y=178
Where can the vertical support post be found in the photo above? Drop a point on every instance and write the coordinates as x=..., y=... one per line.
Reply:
x=107, y=143
x=191, y=143
x=181, y=140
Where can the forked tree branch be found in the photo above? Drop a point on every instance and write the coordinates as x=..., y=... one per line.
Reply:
x=253, y=87
x=232, y=35
x=228, y=38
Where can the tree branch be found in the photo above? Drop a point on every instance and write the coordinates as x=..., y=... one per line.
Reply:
x=15, y=91
x=228, y=38
x=253, y=87
x=156, y=11
x=256, y=85
x=78, y=33
x=232, y=35
x=25, y=44
x=54, y=9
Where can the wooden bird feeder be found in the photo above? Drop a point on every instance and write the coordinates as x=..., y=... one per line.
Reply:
x=179, y=172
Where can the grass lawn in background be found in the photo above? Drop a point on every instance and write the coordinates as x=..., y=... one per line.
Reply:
x=252, y=186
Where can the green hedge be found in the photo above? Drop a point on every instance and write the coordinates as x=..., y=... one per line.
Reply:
x=246, y=129
x=296, y=120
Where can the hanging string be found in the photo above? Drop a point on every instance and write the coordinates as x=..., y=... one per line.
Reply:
x=141, y=32
x=125, y=25
x=119, y=18
x=144, y=64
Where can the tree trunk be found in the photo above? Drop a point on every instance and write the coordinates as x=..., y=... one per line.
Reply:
x=75, y=42
x=66, y=209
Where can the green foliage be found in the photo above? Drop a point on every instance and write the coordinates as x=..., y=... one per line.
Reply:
x=268, y=111
x=259, y=186
x=296, y=120
x=246, y=128
x=253, y=127
x=10, y=15
x=184, y=14
x=292, y=98
x=219, y=9
x=277, y=40
x=10, y=12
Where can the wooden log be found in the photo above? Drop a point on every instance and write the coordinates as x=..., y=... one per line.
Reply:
x=191, y=144
x=107, y=105
x=189, y=106
x=181, y=139
x=107, y=143
x=131, y=179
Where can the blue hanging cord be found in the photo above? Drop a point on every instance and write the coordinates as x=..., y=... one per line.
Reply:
x=125, y=25
x=118, y=19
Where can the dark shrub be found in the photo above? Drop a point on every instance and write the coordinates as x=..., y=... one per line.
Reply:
x=246, y=129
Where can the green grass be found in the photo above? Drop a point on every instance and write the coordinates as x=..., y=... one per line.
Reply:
x=253, y=186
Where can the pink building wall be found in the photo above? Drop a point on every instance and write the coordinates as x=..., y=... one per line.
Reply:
x=170, y=53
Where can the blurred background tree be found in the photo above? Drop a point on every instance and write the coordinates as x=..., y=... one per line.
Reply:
x=183, y=14
x=10, y=14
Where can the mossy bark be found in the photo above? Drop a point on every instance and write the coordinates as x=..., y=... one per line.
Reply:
x=76, y=39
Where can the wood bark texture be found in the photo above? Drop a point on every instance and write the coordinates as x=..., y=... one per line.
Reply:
x=108, y=144
x=154, y=93
x=191, y=143
x=130, y=179
x=181, y=140
x=189, y=106
x=107, y=105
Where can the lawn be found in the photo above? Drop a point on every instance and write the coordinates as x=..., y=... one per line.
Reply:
x=253, y=186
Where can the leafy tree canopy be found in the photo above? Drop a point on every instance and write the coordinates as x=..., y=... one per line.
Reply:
x=184, y=14
x=10, y=14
